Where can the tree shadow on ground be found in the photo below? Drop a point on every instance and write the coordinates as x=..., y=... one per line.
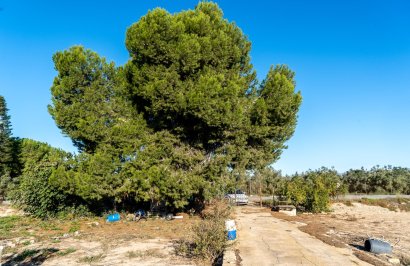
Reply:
x=30, y=257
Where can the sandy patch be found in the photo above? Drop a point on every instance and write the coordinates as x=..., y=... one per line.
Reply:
x=128, y=252
x=7, y=210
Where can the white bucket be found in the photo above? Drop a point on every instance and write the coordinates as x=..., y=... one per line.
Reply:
x=230, y=225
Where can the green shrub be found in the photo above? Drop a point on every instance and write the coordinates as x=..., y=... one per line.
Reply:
x=33, y=192
x=268, y=203
x=296, y=191
x=314, y=189
x=318, y=196
x=37, y=197
x=75, y=211
x=208, y=238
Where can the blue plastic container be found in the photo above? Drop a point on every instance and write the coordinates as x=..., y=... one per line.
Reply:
x=113, y=217
x=232, y=235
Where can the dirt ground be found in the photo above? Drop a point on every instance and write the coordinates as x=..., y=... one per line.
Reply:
x=351, y=225
x=90, y=241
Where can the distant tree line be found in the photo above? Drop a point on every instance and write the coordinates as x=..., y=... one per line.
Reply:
x=311, y=190
x=314, y=189
x=378, y=180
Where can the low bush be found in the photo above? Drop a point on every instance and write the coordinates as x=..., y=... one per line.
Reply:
x=392, y=204
x=384, y=203
x=348, y=203
x=218, y=209
x=208, y=239
x=71, y=212
x=268, y=203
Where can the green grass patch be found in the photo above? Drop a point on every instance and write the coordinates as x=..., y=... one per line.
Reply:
x=66, y=252
x=75, y=226
x=403, y=204
x=375, y=202
x=92, y=259
x=8, y=224
x=135, y=254
x=26, y=243
x=27, y=226
x=49, y=225
x=392, y=204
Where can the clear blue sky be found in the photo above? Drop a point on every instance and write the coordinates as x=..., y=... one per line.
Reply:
x=352, y=63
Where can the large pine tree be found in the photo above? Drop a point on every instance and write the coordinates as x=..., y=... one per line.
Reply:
x=184, y=116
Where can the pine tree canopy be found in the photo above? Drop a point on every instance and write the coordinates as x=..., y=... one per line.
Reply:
x=185, y=116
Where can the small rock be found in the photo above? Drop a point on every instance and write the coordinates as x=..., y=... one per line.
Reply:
x=10, y=244
x=66, y=235
x=130, y=217
x=299, y=223
x=77, y=233
x=93, y=224
x=290, y=213
x=394, y=261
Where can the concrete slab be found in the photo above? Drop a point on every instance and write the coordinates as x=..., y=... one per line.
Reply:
x=265, y=240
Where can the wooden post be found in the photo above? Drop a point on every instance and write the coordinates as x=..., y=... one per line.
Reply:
x=260, y=191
